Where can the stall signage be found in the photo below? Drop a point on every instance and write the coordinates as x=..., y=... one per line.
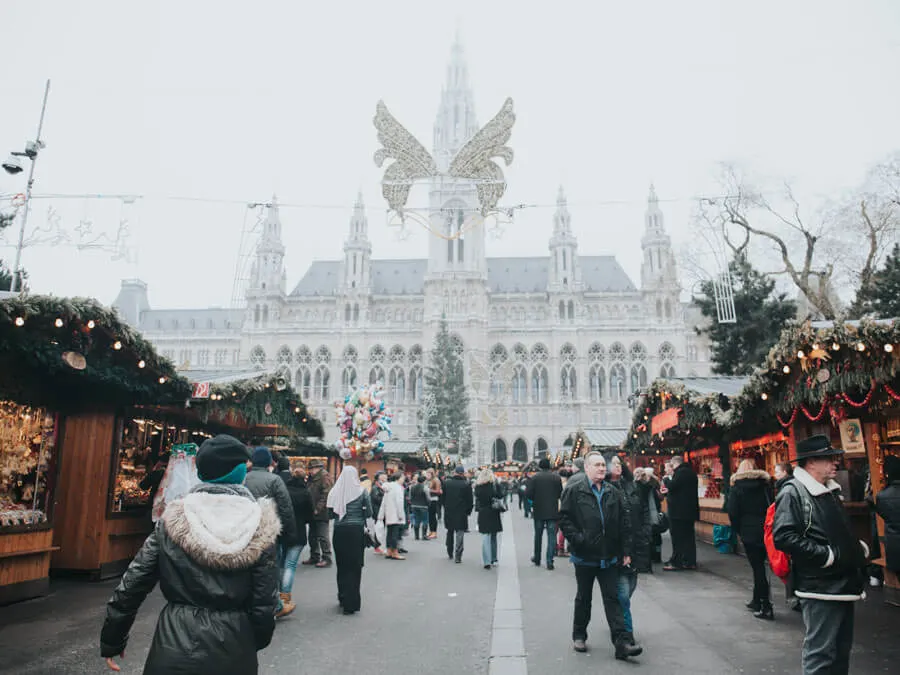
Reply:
x=200, y=390
x=665, y=420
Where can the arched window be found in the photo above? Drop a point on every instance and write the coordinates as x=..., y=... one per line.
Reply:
x=539, y=353
x=617, y=383
x=257, y=357
x=540, y=447
x=255, y=316
x=667, y=370
x=638, y=377
x=350, y=354
x=397, y=384
x=668, y=308
x=304, y=355
x=520, y=450
x=596, y=353
x=499, y=450
x=347, y=314
x=571, y=311
x=519, y=384
x=398, y=354
x=323, y=355
x=638, y=352
x=284, y=356
x=322, y=383
x=376, y=354
x=597, y=382
x=415, y=354
x=348, y=379
x=562, y=310
x=666, y=352
x=376, y=374
x=416, y=384
x=567, y=384
x=659, y=311
x=265, y=316
x=540, y=382
x=617, y=351
x=303, y=383
x=355, y=311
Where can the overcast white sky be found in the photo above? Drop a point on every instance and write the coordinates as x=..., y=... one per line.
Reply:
x=233, y=100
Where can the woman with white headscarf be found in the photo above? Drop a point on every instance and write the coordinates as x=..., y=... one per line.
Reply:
x=351, y=509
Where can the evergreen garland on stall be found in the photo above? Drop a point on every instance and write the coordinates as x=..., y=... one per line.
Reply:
x=43, y=340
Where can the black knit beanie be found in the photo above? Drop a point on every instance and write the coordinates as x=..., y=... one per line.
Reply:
x=219, y=455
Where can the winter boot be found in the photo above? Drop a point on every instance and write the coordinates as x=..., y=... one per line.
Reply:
x=624, y=649
x=754, y=605
x=287, y=607
x=765, y=611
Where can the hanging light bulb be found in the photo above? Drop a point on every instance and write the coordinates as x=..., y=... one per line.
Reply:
x=162, y=380
x=800, y=354
x=889, y=348
x=297, y=410
x=58, y=323
x=142, y=364
x=815, y=346
x=20, y=321
x=835, y=347
x=786, y=369
x=117, y=345
x=91, y=325
x=765, y=396
x=860, y=347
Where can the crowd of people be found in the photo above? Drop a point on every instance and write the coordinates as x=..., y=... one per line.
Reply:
x=225, y=555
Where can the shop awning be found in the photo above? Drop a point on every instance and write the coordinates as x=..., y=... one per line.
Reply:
x=604, y=437
x=724, y=384
x=397, y=448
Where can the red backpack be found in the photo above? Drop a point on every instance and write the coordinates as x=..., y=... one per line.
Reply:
x=779, y=561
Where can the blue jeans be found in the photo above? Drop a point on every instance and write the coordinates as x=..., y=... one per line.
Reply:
x=625, y=589
x=287, y=563
x=490, y=548
x=420, y=521
x=539, y=527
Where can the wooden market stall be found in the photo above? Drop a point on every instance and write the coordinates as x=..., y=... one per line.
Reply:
x=841, y=380
x=303, y=450
x=700, y=419
x=66, y=367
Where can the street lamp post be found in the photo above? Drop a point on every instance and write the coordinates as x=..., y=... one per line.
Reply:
x=13, y=167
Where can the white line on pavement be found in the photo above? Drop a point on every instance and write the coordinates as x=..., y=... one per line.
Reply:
x=507, y=635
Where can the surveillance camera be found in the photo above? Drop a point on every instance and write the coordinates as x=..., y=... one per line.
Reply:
x=13, y=165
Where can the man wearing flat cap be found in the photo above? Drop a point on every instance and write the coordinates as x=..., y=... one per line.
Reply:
x=827, y=561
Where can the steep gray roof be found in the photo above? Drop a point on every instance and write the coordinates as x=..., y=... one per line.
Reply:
x=505, y=275
x=192, y=319
x=599, y=273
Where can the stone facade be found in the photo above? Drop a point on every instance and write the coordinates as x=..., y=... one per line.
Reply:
x=550, y=343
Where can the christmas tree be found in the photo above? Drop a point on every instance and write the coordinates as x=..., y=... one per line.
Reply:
x=447, y=426
x=881, y=296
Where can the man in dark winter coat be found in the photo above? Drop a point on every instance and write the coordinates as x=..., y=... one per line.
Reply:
x=544, y=491
x=458, y=505
x=684, y=511
x=262, y=483
x=320, y=484
x=594, y=519
x=220, y=599
x=827, y=561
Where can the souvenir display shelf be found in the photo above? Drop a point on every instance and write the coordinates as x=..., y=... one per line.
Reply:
x=27, y=456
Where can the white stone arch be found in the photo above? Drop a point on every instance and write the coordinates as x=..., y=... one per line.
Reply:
x=397, y=354
x=284, y=357
x=618, y=385
x=376, y=354
x=540, y=383
x=597, y=382
x=376, y=374
x=349, y=378
x=539, y=353
x=638, y=377
x=637, y=353
x=540, y=446
x=617, y=352
x=350, y=354
x=415, y=354
x=304, y=355
x=667, y=371
x=303, y=382
x=416, y=383
x=397, y=384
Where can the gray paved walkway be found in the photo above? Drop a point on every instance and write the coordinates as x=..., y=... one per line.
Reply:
x=429, y=615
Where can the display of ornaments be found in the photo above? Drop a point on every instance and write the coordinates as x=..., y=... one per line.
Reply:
x=27, y=441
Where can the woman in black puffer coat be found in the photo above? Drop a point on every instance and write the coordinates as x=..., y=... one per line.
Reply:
x=748, y=500
x=214, y=558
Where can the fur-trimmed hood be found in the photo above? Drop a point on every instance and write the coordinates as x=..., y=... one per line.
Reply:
x=222, y=526
x=756, y=474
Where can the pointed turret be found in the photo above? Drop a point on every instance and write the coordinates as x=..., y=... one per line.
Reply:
x=659, y=273
x=455, y=123
x=266, y=290
x=565, y=272
x=357, y=250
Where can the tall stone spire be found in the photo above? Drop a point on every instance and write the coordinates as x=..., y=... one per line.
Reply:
x=659, y=272
x=562, y=221
x=565, y=270
x=357, y=251
x=455, y=123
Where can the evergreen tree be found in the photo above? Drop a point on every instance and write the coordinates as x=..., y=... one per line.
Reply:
x=6, y=279
x=881, y=296
x=738, y=348
x=448, y=422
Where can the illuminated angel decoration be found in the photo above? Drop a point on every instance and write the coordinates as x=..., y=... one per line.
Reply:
x=474, y=161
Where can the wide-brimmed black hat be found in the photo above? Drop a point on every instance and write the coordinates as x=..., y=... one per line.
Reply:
x=816, y=446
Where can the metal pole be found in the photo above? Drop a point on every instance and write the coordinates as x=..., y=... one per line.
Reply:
x=15, y=270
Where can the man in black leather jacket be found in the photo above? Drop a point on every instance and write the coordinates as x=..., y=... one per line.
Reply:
x=827, y=561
